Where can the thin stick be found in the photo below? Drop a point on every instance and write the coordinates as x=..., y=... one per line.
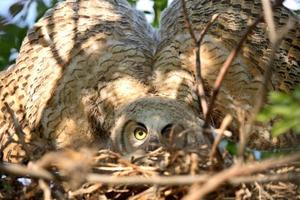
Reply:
x=211, y=181
x=266, y=179
x=197, y=43
x=140, y=180
x=47, y=192
x=225, y=68
x=199, y=79
x=188, y=22
x=268, y=14
x=18, y=129
x=226, y=121
x=237, y=170
x=263, y=89
x=21, y=170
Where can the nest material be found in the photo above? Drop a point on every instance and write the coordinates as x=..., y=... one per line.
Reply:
x=76, y=166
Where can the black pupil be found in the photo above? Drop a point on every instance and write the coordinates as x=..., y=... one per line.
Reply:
x=140, y=132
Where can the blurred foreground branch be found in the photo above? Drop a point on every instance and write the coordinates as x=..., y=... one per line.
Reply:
x=211, y=181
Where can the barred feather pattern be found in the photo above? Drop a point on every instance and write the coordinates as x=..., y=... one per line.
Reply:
x=238, y=92
x=79, y=52
x=86, y=60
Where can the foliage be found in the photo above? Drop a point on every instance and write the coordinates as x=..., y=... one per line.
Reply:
x=13, y=27
x=284, y=110
x=11, y=37
x=158, y=7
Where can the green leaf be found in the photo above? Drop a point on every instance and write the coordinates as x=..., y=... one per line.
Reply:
x=279, y=97
x=296, y=94
x=158, y=7
x=283, y=126
x=132, y=2
x=286, y=110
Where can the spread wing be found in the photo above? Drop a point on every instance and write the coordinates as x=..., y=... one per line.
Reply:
x=176, y=59
x=80, y=62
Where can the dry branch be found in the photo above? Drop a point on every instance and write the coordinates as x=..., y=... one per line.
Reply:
x=229, y=61
x=268, y=14
x=20, y=170
x=47, y=192
x=237, y=170
x=197, y=44
x=225, y=68
x=266, y=178
x=18, y=129
x=225, y=175
x=199, y=80
x=226, y=121
x=263, y=89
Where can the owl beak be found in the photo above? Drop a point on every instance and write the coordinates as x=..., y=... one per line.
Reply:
x=153, y=143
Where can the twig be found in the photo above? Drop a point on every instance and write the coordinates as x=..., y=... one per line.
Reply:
x=140, y=180
x=199, y=80
x=21, y=170
x=47, y=192
x=82, y=191
x=262, y=193
x=268, y=14
x=20, y=133
x=197, y=43
x=263, y=89
x=266, y=178
x=236, y=170
x=229, y=61
x=225, y=68
x=211, y=181
x=188, y=22
x=226, y=121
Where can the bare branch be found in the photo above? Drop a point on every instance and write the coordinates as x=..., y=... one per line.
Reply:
x=47, y=192
x=229, y=61
x=236, y=170
x=139, y=180
x=263, y=90
x=225, y=68
x=217, y=179
x=188, y=22
x=199, y=79
x=266, y=178
x=21, y=170
x=226, y=121
x=197, y=44
x=268, y=14
x=18, y=129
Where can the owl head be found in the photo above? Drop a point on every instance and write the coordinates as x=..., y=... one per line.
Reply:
x=151, y=122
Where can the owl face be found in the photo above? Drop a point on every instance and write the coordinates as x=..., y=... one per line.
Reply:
x=151, y=122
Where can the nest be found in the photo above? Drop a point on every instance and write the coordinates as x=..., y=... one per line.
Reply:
x=160, y=174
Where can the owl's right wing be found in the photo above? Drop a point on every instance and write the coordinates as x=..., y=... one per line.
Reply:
x=80, y=62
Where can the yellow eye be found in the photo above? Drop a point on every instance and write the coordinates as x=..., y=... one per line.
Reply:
x=140, y=133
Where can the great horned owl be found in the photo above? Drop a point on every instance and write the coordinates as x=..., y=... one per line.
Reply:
x=93, y=72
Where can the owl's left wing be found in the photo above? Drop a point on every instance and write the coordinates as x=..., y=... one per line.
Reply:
x=176, y=56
